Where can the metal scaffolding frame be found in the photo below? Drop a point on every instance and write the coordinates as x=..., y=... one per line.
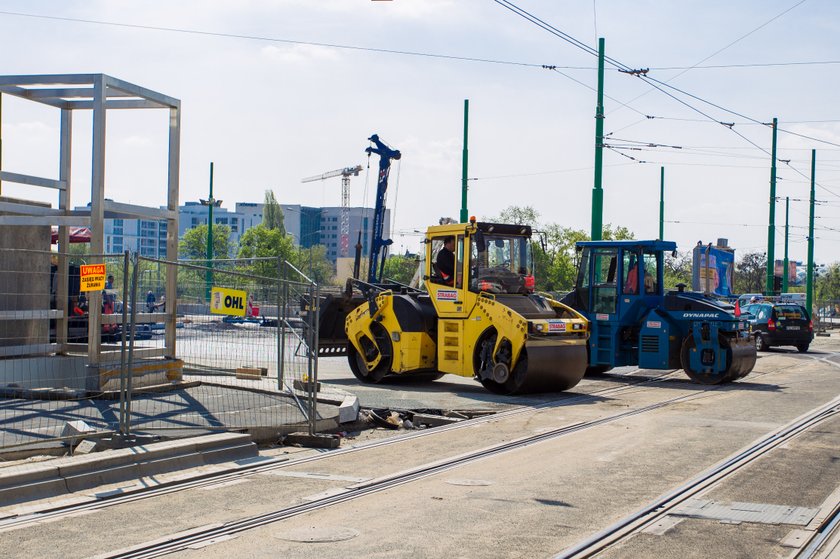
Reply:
x=99, y=93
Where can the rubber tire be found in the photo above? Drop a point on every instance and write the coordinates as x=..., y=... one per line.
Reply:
x=357, y=361
x=760, y=344
x=803, y=348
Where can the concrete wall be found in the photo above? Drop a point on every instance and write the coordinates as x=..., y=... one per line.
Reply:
x=24, y=280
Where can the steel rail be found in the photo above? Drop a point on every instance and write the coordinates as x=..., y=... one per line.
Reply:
x=218, y=478
x=178, y=542
x=822, y=534
x=666, y=503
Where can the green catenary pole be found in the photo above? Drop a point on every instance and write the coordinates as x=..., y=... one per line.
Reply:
x=464, y=161
x=809, y=284
x=787, y=232
x=597, y=190
x=771, y=227
x=662, y=203
x=208, y=275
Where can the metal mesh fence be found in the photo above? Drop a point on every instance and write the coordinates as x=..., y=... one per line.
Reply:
x=244, y=363
x=235, y=367
x=49, y=380
x=826, y=314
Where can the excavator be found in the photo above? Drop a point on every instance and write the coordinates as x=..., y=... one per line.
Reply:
x=482, y=321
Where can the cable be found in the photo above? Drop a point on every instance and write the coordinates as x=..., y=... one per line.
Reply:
x=279, y=40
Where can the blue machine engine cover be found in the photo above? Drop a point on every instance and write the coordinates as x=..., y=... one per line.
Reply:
x=654, y=342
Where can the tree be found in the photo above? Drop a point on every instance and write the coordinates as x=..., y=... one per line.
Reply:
x=678, y=269
x=400, y=268
x=193, y=245
x=827, y=284
x=314, y=263
x=261, y=241
x=272, y=213
x=750, y=273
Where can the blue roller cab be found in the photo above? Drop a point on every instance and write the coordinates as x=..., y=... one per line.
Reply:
x=634, y=322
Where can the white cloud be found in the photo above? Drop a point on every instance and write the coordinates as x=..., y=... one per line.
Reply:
x=296, y=54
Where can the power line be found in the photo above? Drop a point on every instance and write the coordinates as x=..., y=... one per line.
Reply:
x=281, y=40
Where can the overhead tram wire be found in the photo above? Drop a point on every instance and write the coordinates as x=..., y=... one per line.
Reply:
x=660, y=85
x=281, y=40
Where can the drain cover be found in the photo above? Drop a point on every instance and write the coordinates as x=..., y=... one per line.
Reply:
x=469, y=482
x=319, y=534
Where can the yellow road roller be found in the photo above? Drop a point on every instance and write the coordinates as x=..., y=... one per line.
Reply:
x=478, y=316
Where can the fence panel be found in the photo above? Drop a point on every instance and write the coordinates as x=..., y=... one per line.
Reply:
x=51, y=373
x=233, y=368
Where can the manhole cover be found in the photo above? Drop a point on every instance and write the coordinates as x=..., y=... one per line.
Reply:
x=469, y=482
x=319, y=534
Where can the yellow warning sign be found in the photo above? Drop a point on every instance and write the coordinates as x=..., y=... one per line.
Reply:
x=228, y=301
x=92, y=277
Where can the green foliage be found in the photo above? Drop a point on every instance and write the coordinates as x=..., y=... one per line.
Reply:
x=827, y=285
x=314, y=263
x=400, y=268
x=678, y=270
x=555, y=257
x=261, y=241
x=272, y=213
x=193, y=245
x=751, y=273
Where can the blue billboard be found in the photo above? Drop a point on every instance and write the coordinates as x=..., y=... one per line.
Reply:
x=713, y=270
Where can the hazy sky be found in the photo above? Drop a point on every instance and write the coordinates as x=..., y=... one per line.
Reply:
x=270, y=106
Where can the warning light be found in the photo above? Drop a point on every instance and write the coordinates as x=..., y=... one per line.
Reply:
x=472, y=219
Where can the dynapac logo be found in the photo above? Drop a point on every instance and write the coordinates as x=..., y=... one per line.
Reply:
x=700, y=315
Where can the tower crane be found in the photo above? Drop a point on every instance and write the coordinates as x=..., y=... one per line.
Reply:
x=345, y=175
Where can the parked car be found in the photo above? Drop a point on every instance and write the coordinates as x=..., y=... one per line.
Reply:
x=744, y=300
x=779, y=324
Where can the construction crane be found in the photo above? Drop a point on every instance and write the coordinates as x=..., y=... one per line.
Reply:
x=345, y=175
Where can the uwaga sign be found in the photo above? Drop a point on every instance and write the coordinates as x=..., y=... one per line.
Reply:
x=228, y=301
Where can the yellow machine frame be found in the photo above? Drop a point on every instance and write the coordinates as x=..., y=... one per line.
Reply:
x=463, y=318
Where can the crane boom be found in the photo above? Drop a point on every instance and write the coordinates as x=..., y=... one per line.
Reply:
x=345, y=174
x=386, y=154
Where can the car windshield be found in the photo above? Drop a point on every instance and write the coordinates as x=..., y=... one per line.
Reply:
x=501, y=264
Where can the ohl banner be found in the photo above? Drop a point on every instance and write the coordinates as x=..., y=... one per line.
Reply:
x=92, y=277
x=713, y=269
x=231, y=302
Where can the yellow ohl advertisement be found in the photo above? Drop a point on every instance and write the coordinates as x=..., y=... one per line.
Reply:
x=231, y=302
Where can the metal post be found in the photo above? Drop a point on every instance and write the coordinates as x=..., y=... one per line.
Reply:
x=132, y=332
x=662, y=203
x=97, y=217
x=281, y=329
x=785, y=266
x=172, y=231
x=771, y=227
x=809, y=284
x=208, y=275
x=313, y=359
x=123, y=430
x=63, y=281
x=597, y=190
x=464, y=161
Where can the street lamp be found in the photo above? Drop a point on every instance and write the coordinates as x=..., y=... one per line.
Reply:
x=210, y=203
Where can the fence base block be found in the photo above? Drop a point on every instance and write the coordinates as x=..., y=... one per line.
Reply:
x=312, y=441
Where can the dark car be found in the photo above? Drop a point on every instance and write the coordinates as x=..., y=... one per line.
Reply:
x=778, y=324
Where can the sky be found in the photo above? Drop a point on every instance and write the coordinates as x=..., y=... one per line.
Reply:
x=273, y=91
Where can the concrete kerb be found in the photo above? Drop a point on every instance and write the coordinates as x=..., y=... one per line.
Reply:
x=28, y=482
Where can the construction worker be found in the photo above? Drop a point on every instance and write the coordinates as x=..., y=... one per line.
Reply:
x=445, y=260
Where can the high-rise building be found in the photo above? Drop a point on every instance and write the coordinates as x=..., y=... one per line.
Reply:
x=146, y=237
x=310, y=226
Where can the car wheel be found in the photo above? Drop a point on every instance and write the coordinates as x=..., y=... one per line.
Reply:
x=760, y=344
x=802, y=348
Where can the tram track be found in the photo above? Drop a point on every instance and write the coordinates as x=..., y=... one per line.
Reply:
x=207, y=535
x=269, y=465
x=667, y=503
x=213, y=533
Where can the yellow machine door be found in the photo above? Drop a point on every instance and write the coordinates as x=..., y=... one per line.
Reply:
x=446, y=275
